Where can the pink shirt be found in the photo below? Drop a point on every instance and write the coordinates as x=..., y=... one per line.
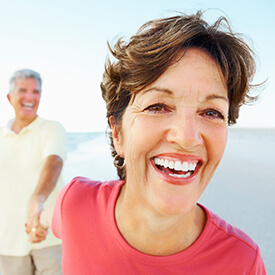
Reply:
x=92, y=244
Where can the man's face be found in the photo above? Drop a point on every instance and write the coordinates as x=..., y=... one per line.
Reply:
x=25, y=98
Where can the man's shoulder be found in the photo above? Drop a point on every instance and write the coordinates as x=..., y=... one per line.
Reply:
x=48, y=123
x=48, y=128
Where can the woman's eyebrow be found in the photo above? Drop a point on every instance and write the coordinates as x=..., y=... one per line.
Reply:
x=157, y=89
x=169, y=92
x=216, y=96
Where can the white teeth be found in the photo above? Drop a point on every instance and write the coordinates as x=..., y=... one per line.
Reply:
x=28, y=105
x=177, y=165
x=183, y=176
x=166, y=163
x=184, y=166
x=191, y=166
x=171, y=165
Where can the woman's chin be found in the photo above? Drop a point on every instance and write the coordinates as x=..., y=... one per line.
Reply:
x=172, y=199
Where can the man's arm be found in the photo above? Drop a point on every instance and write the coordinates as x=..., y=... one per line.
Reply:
x=46, y=183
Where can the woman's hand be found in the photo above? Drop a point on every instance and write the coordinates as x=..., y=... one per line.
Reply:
x=36, y=234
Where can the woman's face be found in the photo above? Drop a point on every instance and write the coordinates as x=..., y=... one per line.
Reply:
x=173, y=135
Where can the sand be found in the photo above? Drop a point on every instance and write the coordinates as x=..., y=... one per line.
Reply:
x=242, y=191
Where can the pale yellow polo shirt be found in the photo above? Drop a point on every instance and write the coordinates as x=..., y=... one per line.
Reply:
x=21, y=159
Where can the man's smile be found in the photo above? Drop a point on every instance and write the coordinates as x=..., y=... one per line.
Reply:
x=28, y=105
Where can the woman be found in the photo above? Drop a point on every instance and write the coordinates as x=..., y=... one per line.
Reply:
x=170, y=95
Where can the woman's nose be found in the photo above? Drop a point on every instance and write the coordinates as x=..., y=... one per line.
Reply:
x=185, y=131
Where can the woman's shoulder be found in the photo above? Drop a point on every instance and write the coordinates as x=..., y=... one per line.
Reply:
x=79, y=197
x=230, y=240
x=228, y=231
x=230, y=244
x=83, y=182
x=88, y=189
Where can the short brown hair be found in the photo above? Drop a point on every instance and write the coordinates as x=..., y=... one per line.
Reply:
x=157, y=43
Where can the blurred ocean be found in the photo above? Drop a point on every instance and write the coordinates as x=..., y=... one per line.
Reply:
x=89, y=154
x=74, y=139
x=253, y=135
x=259, y=142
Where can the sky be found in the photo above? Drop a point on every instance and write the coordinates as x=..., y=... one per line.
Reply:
x=66, y=42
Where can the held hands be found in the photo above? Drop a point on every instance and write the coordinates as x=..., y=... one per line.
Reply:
x=36, y=234
x=34, y=229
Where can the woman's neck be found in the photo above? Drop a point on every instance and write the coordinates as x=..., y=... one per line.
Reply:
x=156, y=234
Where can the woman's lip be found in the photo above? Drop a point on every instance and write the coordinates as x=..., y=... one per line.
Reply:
x=175, y=180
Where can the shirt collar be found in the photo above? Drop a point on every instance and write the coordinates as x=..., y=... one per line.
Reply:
x=32, y=126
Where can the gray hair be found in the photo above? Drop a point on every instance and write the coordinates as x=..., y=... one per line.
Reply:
x=24, y=73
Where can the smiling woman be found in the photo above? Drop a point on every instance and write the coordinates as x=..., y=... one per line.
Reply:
x=178, y=109
x=170, y=95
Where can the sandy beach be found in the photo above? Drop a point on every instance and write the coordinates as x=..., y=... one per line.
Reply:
x=242, y=190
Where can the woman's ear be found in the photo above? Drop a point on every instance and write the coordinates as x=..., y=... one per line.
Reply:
x=117, y=138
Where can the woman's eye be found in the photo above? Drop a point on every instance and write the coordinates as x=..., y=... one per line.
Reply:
x=157, y=108
x=214, y=114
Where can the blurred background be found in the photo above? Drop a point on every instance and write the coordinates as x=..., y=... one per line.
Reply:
x=66, y=42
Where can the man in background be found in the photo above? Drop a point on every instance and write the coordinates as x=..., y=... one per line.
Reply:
x=32, y=151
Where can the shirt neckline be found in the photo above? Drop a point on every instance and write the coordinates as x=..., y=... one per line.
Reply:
x=131, y=252
x=33, y=125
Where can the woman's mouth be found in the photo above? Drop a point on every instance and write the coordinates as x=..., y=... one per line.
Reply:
x=176, y=168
